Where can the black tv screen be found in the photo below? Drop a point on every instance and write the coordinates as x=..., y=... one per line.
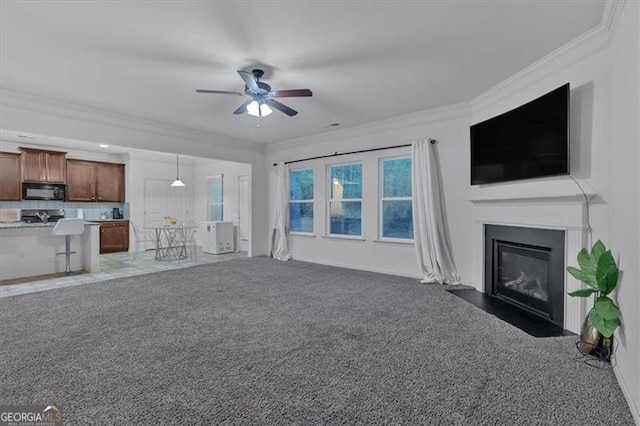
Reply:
x=528, y=142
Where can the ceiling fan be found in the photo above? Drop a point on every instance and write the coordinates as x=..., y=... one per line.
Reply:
x=260, y=95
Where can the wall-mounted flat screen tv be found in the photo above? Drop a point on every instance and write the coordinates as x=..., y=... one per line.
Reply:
x=528, y=142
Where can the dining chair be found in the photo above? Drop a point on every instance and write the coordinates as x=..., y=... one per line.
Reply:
x=141, y=237
x=190, y=239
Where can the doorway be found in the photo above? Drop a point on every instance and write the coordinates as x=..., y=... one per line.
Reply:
x=244, y=212
x=163, y=201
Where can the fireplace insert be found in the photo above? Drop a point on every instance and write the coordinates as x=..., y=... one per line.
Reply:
x=525, y=267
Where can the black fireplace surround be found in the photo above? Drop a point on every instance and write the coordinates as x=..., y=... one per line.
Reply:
x=525, y=267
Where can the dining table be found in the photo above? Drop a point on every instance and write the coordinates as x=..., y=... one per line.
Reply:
x=171, y=241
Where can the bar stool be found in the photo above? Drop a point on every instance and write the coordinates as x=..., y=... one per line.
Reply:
x=68, y=227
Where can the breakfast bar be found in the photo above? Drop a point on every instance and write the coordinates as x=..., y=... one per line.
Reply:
x=31, y=249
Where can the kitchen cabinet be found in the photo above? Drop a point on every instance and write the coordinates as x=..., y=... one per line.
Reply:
x=114, y=236
x=10, y=177
x=95, y=181
x=43, y=166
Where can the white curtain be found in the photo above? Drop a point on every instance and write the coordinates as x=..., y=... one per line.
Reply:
x=280, y=248
x=429, y=226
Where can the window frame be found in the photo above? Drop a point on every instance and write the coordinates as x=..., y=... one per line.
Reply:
x=310, y=201
x=329, y=183
x=382, y=198
x=210, y=203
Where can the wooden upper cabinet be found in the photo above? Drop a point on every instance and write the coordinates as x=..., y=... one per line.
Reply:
x=43, y=166
x=94, y=181
x=110, y=182
x=10, y=177
x=80, y=181
x=56, y=166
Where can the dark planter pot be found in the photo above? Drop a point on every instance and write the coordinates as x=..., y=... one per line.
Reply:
x=594, y=344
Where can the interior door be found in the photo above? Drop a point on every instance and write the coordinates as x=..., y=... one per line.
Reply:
x=155, y=202
x=163, y=201
x=177, y=205
x=244, y=212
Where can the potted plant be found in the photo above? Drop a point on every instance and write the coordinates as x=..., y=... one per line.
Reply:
x=598, y=270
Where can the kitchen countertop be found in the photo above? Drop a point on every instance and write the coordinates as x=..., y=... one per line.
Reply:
x=9, y=225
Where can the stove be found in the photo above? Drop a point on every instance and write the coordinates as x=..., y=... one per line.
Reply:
x=42, y=215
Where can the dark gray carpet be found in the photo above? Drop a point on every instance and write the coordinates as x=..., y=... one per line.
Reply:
x=258, y=341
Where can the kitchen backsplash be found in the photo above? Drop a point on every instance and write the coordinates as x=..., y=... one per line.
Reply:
x=91, y=211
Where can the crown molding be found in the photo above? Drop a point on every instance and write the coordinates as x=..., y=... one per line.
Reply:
x=611, y=14
x=588, y=43
x=37, y=103
x=449, y=112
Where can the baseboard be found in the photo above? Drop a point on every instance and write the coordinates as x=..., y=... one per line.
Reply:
x=360, y=268
x=633, y=406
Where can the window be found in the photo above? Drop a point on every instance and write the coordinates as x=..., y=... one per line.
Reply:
x=215, y=198
x=345, y=201
x=301, y=200
x=395, y=203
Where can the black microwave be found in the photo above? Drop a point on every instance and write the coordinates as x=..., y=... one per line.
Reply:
x=43, y=191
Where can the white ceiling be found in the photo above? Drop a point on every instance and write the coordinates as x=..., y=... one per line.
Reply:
x=364, y=61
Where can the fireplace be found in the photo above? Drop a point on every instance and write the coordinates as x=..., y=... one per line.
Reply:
x=525, y=267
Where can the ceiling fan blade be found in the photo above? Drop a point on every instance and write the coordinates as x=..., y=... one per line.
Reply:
x=219, y=92
x=243, y=108
x=291, y=93
x=281, y=107
x=249, y=80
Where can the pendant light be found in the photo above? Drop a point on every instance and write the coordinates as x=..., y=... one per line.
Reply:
x=177, y=182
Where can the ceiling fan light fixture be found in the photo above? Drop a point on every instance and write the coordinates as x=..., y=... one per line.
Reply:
x=261, y=99
x=258, y=109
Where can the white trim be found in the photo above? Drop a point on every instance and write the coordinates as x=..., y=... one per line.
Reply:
x=302, y=234
x=626, y=391
x=305, y=201
x=582, y=46
x=344, y=237
x=407, y=242
x=359, y=268
x=562, y=213
x=37, y=103
x=330, y=199
x=382, y=198
x=417, y=119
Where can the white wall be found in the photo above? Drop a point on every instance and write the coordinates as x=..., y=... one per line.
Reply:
x=623, y=194
x=604, y=75
x=144, y=165
x=449, y=126
x=43, y=116
x=231, y=171
x=603, y=68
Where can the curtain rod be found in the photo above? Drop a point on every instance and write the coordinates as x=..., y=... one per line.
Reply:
x=336, y=154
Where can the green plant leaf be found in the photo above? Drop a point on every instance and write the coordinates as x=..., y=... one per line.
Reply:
x=585, y=292
x=605, y=308
x=605, y=326
x=588, y=264
x=598, y=249
x=609, y=281
x=579, y=275
x=607, y=273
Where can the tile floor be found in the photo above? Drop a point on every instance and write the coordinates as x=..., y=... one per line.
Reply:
x=117, y=265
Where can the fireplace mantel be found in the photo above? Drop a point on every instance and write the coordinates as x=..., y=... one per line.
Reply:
x=561, y=211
